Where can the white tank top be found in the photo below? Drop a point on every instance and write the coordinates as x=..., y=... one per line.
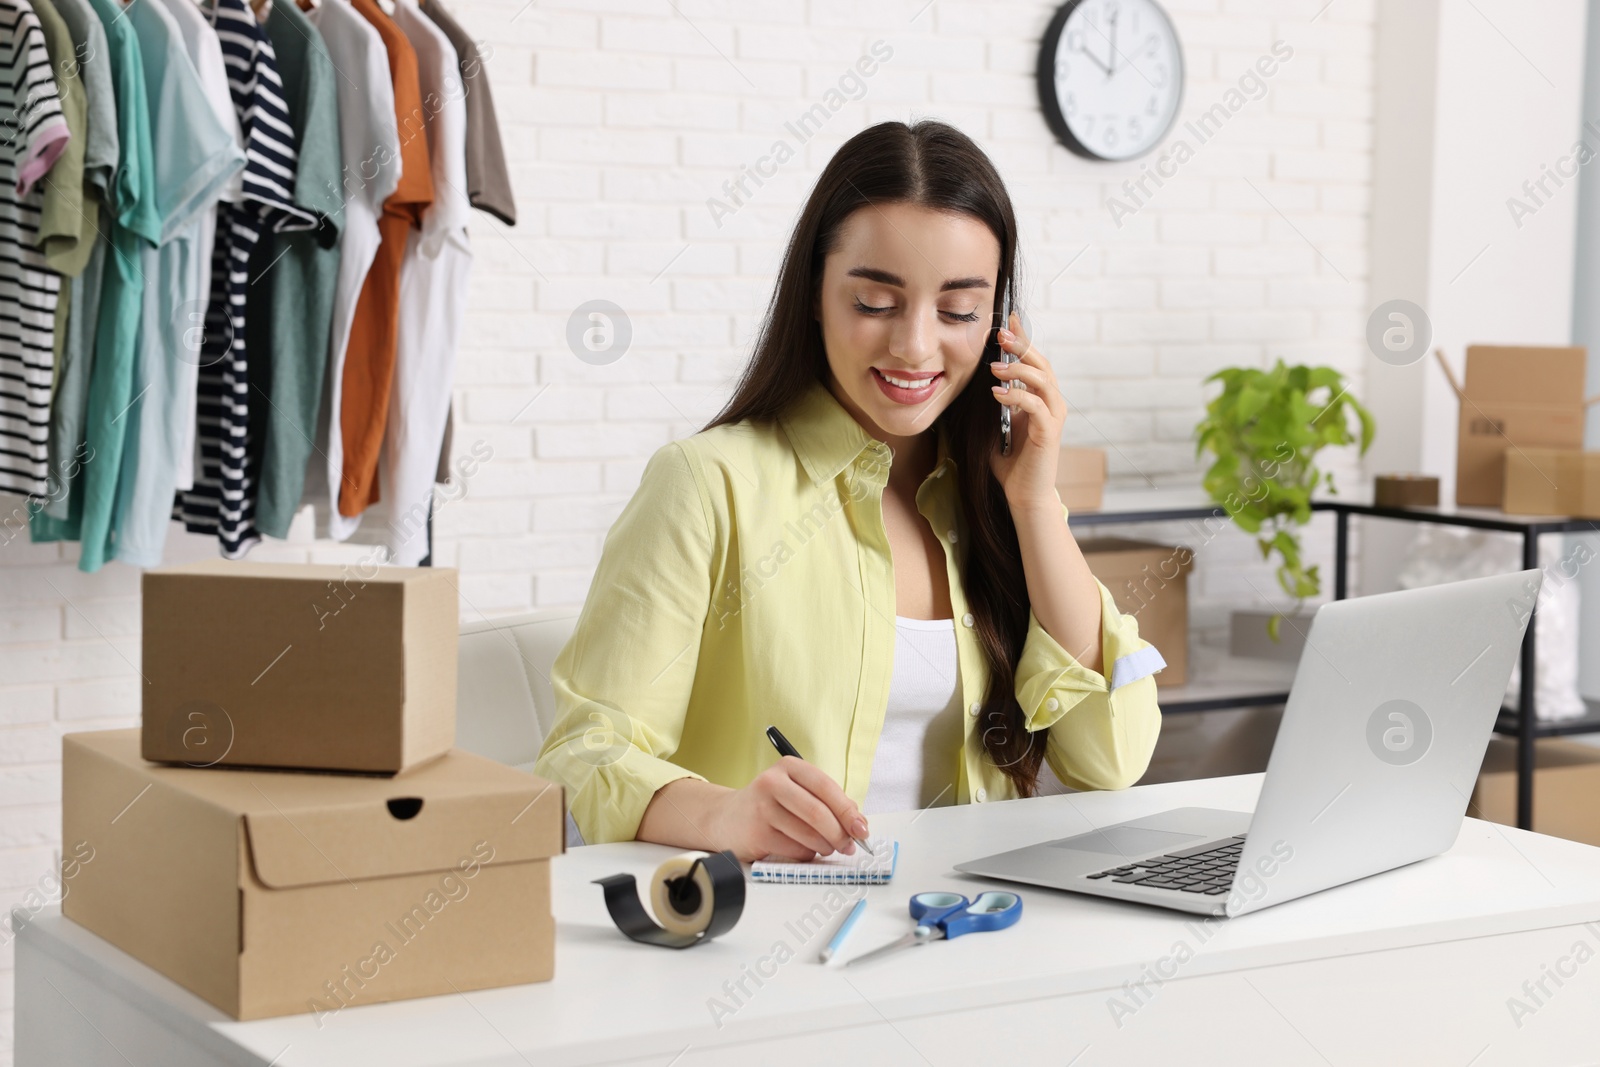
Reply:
x=920, y=748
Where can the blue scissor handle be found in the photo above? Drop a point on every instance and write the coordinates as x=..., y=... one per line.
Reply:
x=955, y=915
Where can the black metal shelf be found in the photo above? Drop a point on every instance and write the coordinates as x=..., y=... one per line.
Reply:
x=1510, y=723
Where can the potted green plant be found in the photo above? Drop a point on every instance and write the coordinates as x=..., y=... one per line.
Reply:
x=1265, y=429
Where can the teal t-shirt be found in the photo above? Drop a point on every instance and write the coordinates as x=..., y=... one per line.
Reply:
x=135, y=224
x=194, y=159
x=300, y=269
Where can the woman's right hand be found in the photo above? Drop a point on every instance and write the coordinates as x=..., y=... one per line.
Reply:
x=793, y=810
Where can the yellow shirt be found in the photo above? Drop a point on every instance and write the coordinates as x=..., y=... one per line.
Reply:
x=748, y=583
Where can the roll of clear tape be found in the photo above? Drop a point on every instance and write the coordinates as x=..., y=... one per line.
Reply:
x=681, y=895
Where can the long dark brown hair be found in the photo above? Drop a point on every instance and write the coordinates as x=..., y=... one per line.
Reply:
x=934, y=165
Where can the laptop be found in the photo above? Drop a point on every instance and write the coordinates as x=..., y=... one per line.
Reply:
x=1379, y=748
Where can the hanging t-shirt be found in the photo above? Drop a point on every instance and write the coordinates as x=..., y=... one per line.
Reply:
x=78, y=306
x=62, y=238
x=369, y=365
x=94, y=69
x=442, y=475
x=132, y=223
x=33, y=133
x=297, y=273
x=488, y=183
x=66, y=237
x=223, y=498
x=69, y=404
x=433, y=299
x=195, y=159
x=205, y=52
x=369, y=139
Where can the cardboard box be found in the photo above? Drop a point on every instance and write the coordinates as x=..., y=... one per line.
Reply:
x=1566, y=788
x=277, y=893
x=1249, y=637
x=1552, y=481
x=299, y=665
x=1405, y=491
x=1525, y=396
x=1150, y=582
x=1081, y=478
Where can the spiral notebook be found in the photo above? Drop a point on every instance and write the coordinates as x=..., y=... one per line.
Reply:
x=834, y=869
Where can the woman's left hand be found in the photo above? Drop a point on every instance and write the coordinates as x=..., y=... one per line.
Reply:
x=1028, y=474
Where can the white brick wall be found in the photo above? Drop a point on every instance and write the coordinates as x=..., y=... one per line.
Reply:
x=621, y=117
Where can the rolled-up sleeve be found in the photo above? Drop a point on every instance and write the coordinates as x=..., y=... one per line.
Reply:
x=622, y=682
x=1101, y=733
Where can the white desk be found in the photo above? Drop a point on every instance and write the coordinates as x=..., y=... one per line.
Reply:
x=1413, y=966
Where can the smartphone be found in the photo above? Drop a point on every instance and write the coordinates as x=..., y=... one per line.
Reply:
x=1006, y=356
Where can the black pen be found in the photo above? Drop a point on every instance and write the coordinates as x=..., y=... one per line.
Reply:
x=784, y=748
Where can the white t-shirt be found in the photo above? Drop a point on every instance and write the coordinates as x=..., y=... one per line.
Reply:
x=369, y=141
x=919, y=750
x=433, y=302
x=204, y=49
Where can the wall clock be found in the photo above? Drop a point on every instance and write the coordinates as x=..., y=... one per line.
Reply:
x=1110, y=77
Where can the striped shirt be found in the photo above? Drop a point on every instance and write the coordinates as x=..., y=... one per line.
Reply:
x=33, y=133
x=223, y=498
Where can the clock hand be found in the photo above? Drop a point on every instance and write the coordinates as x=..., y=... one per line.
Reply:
x=1111, y=59
x=1093, y=58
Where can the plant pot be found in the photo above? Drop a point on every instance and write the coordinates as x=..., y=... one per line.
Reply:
x=1248, y=635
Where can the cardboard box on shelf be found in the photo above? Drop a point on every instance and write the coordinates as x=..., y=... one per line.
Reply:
x=276, y=893
x=1249, y=635
x=1552, y=481
x=1405, y=491
x=1524, y=396
x=1081, y=477
x=1149, y=581
x=1566, y=788
x=299, y=665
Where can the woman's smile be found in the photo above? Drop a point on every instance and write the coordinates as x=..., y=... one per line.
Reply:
x=908, y=387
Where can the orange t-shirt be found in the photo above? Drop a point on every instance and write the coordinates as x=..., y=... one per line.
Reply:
x=370, y=355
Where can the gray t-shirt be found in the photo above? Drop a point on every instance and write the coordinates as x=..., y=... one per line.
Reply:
x=94, y=69
x=488, y=184
x=78, y=310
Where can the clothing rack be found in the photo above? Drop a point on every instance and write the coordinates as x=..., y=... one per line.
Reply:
x=226, y=324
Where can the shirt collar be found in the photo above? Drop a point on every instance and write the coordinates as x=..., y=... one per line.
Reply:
x=827, y=438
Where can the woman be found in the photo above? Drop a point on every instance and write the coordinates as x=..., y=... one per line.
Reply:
x=844, y=553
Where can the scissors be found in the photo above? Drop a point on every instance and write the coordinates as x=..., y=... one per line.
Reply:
x=946, y=915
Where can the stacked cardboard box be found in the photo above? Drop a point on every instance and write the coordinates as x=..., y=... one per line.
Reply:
x=1552, y=481
x=291, y=830
x=1150, y=582
x=1516, y=401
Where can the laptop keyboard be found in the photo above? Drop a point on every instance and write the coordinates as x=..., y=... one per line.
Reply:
x=1205, y=869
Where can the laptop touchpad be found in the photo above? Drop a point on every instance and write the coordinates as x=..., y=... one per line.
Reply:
x=1125, y=840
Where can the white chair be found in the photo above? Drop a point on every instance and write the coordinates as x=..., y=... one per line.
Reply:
x=504, y=704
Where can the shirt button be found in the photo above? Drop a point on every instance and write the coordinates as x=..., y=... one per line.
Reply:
x=952, y=536
x=967, y=620
x=981, y=795
x=1052, y=704
x=977, y=706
